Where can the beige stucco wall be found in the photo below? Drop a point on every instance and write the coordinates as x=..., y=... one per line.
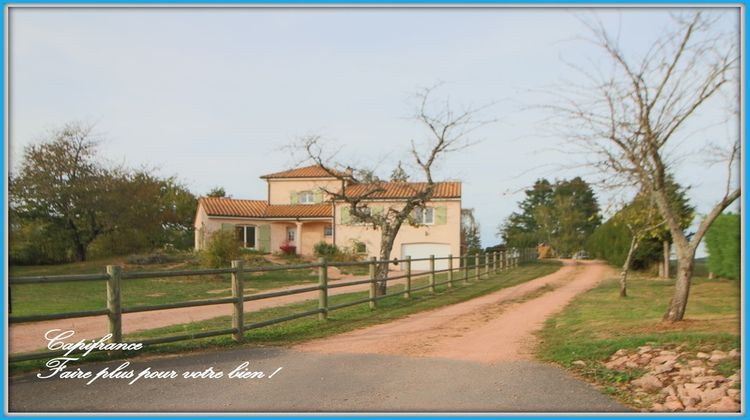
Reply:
x=448, y=233
x=312, y=233
x=281, y=189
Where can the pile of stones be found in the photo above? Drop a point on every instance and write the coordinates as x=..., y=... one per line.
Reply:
x=679, y=380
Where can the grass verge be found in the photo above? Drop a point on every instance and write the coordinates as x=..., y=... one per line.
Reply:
x=338, y=321
x=34, y=299
x=599, y=322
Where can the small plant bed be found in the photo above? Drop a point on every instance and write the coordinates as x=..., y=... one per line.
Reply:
x=339, y=321
x=621, y=344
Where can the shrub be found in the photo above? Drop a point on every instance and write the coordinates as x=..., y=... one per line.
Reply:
x=146, y=259
x=324, y=249
x=38, y=243
x=611, y=242
x=723, y=243
x=221, y=249
x=335, y=254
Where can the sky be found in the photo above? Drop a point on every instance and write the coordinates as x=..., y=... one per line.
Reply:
x=214, y=95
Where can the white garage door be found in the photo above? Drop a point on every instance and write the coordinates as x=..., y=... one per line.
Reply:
x=424, y=251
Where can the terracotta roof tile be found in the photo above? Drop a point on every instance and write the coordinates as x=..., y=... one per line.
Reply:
x=229, y=207
x=405, y=189
x=300, y=210
x=219, y=206
x=313, y=171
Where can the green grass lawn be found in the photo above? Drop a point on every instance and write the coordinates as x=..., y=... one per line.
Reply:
x=37, y=299
x=338, y=321
x=599, y=322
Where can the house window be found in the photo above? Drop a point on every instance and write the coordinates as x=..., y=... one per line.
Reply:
x=290, y=234
x=245, y=235
x=360, y=248
x=425, y=216
x=306, y=197
x=328, y=230
x=365, y=211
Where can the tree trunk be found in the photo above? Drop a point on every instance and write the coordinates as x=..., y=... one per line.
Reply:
x=381, y=269
x=665, y=264
x=80, y=252
x=661, y=269
x=685, y=266
x=626, y=267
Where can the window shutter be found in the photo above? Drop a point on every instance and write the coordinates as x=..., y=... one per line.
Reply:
x=227, y=227
x=441, y=215
x=346, y=218
x=294, y=197
x=318, y=197
x=264, y=238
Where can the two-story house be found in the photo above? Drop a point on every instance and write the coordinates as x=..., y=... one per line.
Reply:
x=298, y=212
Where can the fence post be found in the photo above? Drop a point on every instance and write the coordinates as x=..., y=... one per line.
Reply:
x=465, y=259
x=450, y=270
x=373, y=302
x=407, y=290
x=505, y=260
x=114, y=302
x=495, y=256
x=238, y=307
x=476, y=266
x=487, y=265
x=323, y=285
x=432, y=274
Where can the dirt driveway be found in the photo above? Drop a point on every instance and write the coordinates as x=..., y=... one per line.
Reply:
x=492, y=328
x=341, y=373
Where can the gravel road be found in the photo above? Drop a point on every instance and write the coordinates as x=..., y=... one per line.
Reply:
x=321, y=383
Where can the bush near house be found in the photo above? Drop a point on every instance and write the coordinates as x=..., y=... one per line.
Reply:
x=324, y=249
x=221, y=249
x=335, y=254
x=723, y=243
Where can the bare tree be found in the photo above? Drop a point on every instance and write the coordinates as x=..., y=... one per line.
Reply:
x=631, y=119
x=448, y=131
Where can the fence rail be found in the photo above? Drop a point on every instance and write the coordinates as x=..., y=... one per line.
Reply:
x=482, y=264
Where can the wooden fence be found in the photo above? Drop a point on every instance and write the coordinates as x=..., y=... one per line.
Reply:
x=481, y=265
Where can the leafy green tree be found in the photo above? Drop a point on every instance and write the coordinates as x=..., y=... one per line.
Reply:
x=177, y=207
x=470, y=241
x=61, y=184
x=611, y=241
x=723, y=243
x=65, y=204
x=562, y=215
x=522, y=229
x=217, y=192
